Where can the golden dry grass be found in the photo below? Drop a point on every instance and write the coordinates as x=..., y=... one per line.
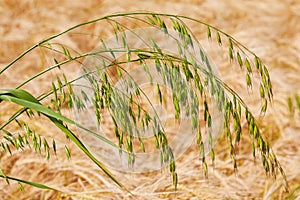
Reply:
x=270, y=28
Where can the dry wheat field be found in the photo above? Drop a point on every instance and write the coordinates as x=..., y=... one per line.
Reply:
x=270, y=28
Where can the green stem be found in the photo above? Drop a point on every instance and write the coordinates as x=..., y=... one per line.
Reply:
x=118, y=15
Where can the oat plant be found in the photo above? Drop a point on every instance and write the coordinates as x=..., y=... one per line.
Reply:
x=187, y=71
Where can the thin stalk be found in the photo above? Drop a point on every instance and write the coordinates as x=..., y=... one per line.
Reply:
x=118, y=15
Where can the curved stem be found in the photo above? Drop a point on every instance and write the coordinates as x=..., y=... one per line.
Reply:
x=118, y=15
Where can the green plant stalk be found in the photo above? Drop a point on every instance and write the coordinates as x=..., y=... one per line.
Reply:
x=37, y=185
x=119, y=15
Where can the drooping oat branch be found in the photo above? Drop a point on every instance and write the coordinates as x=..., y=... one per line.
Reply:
x=196, y=92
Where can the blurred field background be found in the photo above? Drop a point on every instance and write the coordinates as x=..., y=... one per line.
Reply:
x=270, y=28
